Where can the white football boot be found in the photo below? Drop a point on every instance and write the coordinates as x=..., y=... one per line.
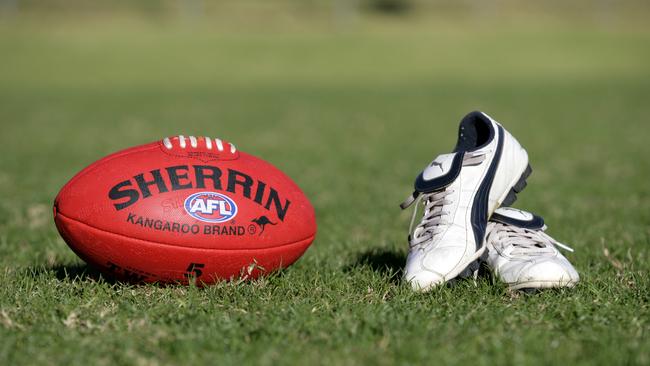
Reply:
x=522, y=255
x=459, y=192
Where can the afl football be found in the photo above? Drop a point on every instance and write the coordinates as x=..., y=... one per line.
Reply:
x=184, y=209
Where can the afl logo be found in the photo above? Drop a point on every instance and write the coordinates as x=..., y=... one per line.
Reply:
x=211, y=207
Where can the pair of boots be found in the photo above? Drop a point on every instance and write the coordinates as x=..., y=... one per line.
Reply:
x=466, y=221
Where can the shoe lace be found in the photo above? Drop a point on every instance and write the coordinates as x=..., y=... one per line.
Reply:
x=218, y=143
x=524, y=242
x=434, y=220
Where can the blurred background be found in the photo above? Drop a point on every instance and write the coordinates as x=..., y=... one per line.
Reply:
x=340, y=94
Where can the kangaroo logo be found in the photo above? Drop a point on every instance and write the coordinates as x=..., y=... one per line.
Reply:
x=262, y=221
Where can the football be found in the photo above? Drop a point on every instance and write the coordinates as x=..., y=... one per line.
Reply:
x=184, y=209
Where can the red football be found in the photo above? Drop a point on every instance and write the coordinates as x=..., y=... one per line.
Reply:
x=184, y=208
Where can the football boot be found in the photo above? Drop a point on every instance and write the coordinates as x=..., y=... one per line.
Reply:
x=458, y=193
x=522, y=255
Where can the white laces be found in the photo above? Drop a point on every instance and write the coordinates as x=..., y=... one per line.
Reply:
x=218, y=143
x=435, y=217
x=524, y=242
x=475, y=157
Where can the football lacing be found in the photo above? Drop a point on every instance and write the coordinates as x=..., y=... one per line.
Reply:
x=194, y=142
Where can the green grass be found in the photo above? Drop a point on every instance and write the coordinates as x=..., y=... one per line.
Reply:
x=352, y=116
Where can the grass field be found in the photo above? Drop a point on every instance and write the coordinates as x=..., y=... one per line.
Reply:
x=352, y=115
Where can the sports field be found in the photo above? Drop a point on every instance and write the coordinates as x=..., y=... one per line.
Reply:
x=352, y=113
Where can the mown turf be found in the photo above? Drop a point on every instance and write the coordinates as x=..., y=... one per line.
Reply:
x=352, y=116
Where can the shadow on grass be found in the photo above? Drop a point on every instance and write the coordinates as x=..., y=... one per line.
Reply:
x=70, y=272
x=391, y=264
x=385, y=262
x=84, y=272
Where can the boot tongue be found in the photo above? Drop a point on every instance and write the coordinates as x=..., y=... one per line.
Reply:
x=438, y=167
x=519, y=218
x=440, y=173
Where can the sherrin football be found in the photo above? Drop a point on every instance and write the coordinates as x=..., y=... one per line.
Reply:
x=184, y=209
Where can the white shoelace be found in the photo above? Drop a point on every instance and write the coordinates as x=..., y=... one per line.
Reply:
x=525, y=242
x=434, y=219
